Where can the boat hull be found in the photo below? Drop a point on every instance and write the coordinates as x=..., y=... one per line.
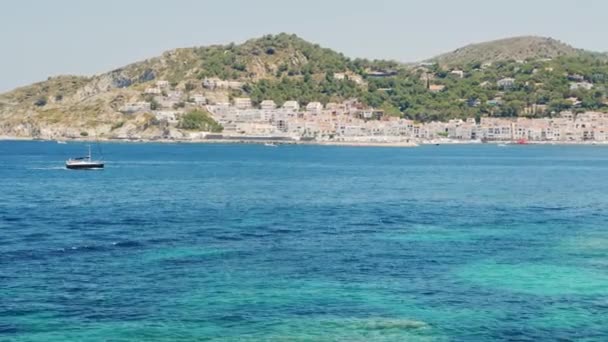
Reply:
x=85, y=166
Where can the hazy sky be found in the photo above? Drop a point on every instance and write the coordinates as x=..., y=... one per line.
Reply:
x=43, y=38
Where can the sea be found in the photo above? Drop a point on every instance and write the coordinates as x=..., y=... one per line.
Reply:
x=243, y=242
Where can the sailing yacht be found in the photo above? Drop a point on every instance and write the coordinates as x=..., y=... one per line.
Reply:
x=84, y=163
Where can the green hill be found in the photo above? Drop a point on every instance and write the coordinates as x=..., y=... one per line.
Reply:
x=544, y=76
x=272, y=58
x=280, y=67
x=516, y=48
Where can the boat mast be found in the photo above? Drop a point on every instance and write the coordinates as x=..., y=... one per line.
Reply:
x=89, y=152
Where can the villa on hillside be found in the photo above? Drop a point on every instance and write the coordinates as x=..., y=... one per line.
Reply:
x=506, y=83
x=291, y=105
x=314, y=108
x=162, y=84
x=268, y=105
x=199, y=99
x=135, y=107
x=152, y=91
x=581, y=85
x=215, y=83
x=242, y=103
x=435, y=88
x=458, y=73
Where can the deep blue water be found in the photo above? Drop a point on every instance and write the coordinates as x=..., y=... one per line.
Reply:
x=191, y=242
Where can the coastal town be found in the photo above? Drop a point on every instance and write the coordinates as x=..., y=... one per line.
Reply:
x=281, y=88
x=351, y=121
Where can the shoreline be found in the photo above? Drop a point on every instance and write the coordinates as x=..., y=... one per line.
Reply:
x=408, y=144
x=224, y=141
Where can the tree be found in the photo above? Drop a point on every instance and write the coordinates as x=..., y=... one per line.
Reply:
x=154, y=105
x=199, y=120
x=390, y=110
x=239, y=66
x=559, y=105
x=41, y=102
x=189, y=86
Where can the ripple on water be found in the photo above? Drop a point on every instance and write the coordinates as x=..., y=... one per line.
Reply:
x=592, y=247
x=114, y=331
x=348, y=329
x=177, y=253
x=434, y=233
x=571, y=319
x=313, y=329
x=537, y=279
x=128, y=244
x=282, y=246
x=8, y=329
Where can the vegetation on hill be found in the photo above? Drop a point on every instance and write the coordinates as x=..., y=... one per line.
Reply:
x=304, y=90
x=54, y=89
x=547, y=77
x=268, y=57
x=199, y=120
x=516, y=48
x=538, y=89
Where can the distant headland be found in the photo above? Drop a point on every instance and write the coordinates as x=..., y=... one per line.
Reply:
x=281, y=87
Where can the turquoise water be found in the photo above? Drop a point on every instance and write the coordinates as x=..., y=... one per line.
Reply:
x=183, y=242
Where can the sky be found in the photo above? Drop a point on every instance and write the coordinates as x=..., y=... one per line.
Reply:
x=42, y=38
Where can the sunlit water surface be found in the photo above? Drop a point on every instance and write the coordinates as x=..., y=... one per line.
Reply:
x=182, y=242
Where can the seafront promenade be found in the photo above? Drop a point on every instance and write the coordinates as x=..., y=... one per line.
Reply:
x=351, y=121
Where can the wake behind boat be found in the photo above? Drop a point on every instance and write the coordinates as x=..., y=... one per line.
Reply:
x=84, y=163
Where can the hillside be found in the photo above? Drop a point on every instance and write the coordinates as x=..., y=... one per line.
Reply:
x=269, y=57
x=516, y=48
x=71, y=105
x=524, y=76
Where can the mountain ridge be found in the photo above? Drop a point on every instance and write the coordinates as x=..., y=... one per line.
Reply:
x=454, y=57
x=510, y=48
x=285, y=67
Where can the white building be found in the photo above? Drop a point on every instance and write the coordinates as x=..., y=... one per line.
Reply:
x=171, y=116
x=581, y=85
x=268, y=105
x=212, y=83
x=253, y=128
x=242, y=103
x=506, y=82
x=199, y=99
x=356, y=78
x=340, y=76
x=314, y=108
x=291, y=105
x=458, y=73
x=152, y=91
x=175, y=95
x=162, y=84
x=435, y=88
x=135, y=107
